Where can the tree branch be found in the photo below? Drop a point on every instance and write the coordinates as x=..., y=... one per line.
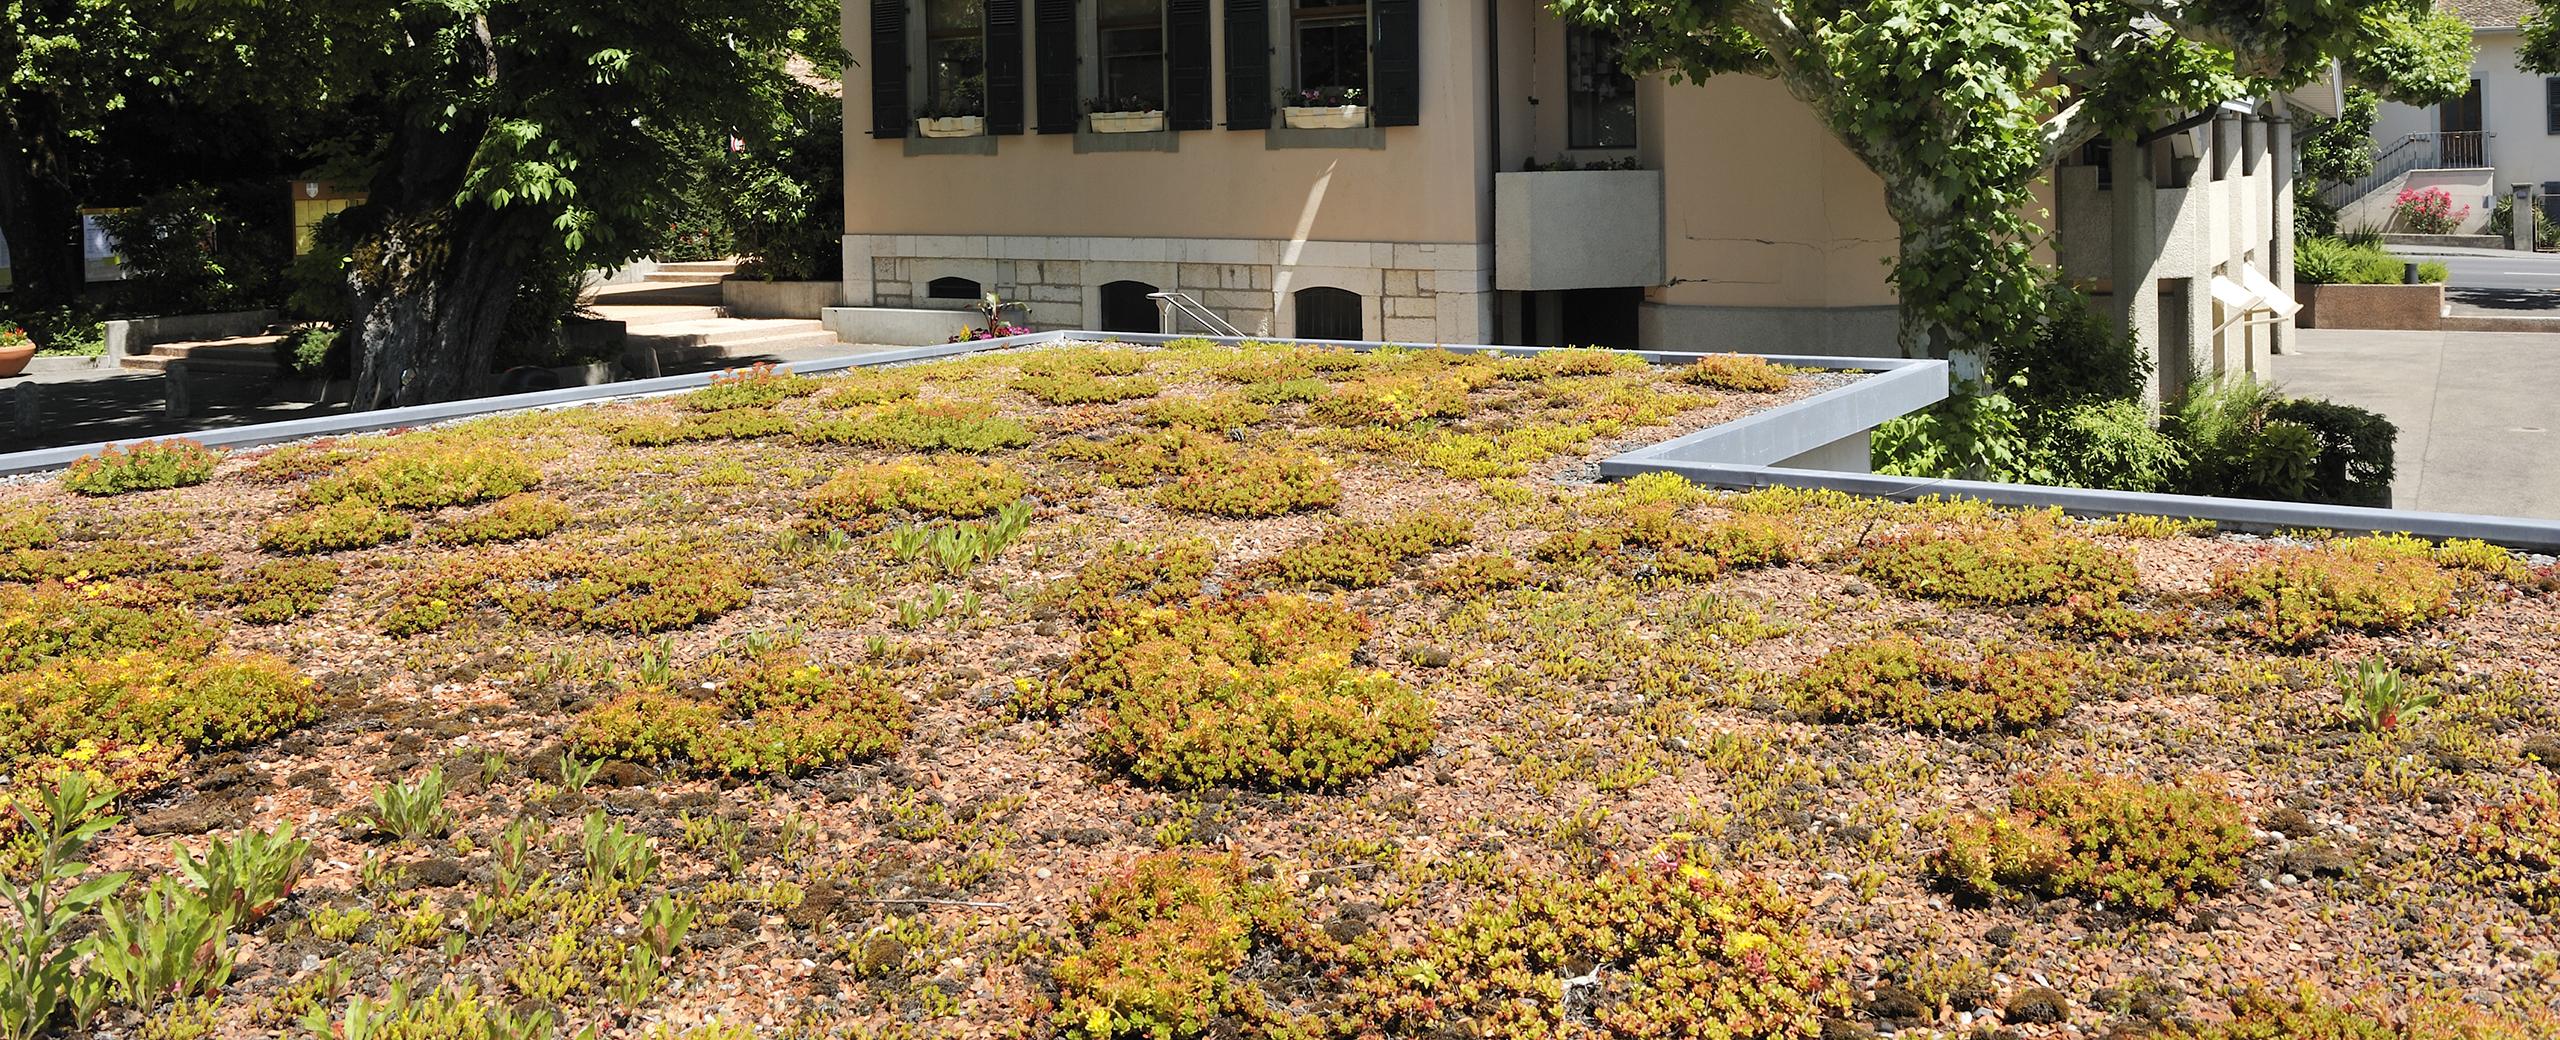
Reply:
x=2077, y=124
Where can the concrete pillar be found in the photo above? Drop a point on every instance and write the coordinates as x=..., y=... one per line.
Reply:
x=173, y=383
x=2520, y=226
x=2134, y=240
x=2280, y=224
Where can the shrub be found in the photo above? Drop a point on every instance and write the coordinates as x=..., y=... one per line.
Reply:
x=1259, y=484
x=1363, y=554
x=48, y=622
x=2144, y=847
x=2516, y=846
x=755, y=386
x=2502, y=222
x=2356, y=450
x=147, y=466
x=514, y=518
x=1132, y=576
x=732, y=424
x=352, y=523
x=931, y=426
x=2025, y=559
x=2296, y=597
x=1749, y=373
x=1903, y=681
x=1215, y=413
x=281, y=590
x=2113, y=445
x=1156, y=949
x=150, y=697
x=1705, y=955
x=2076, y=358
x=428, y=478
x=1392, y=400
x=773, y=713
x=2428, y=211
x=2235, y=447
x=948, y=489
x=314, y=351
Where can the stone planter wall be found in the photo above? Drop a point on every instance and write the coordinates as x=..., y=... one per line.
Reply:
x=130, y=336
x=2415, y=307
x=756, y=298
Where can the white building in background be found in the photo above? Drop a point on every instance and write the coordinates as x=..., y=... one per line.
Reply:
x=2477, y=148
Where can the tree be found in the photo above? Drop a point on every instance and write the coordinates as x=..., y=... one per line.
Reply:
x=514, y=132
x=2334, y=150
x=1959, y=105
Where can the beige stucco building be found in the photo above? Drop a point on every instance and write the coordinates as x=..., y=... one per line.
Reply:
x=1742, y=224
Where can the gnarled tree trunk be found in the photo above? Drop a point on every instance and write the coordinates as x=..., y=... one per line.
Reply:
x=431, y=294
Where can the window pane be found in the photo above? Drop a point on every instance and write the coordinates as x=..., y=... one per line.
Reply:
x=1127, y=12
x=1333, y=54
x=1328, y=313
x=942, y=16
x=1133, y=65
x=1600, y=98
x=955, y=72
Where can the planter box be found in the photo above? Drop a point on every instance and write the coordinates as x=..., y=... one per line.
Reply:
x=2407, y=307
x=756, y=298
x=898, y=326
x=1577, y=229
x=953, y=126
x=1343, y=117
x=1126, y=122
x=2459, y=241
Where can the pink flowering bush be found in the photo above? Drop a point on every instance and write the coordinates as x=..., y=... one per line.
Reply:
x=2429, y=211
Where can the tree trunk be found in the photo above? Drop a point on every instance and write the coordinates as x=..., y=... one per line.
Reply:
x=431, y=295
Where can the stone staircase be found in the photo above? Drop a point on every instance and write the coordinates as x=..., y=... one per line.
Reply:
x=236, y=355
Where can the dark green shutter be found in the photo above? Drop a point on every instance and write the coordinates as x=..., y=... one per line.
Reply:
x=1004, y=66
x=1248, y=65
x=1395, y=62
x=1187, y=64
x=889, y=68
x=1053, y=25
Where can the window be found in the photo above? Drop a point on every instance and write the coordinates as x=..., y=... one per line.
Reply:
x=2551, y=105
x=955, y=56
x=1330, y=39
x=1600, y=98
x=1126, y=308
x=1132, y=35
x=1327, y=313
x=952, y=289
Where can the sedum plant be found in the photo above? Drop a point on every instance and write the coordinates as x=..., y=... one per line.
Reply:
x=148, y=466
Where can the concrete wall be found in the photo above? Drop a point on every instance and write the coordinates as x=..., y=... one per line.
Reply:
x=2521, y=147
x=1577, y=229
x=754, y=298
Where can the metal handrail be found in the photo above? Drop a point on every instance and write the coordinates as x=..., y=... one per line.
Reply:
x=2462, y=149
x=1168, y=303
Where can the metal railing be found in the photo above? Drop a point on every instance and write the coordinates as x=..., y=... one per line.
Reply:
x=1170, y=304
x=2461, y=150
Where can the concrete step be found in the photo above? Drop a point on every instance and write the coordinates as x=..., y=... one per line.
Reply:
x=160, y=363
x=637, y=318
x=679, y=278
x=719, y=331
x=721, y=267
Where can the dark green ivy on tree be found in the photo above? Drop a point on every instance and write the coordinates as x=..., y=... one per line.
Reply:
x=1960, y=106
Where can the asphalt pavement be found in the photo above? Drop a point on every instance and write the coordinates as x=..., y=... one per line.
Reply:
x=2496, y=281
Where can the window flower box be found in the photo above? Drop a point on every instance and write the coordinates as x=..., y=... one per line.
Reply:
x=953, y=126
x=1332, y=117
x=1127, y=122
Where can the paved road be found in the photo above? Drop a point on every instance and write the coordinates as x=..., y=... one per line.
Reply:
x=2496, y=281
x=2479, y=412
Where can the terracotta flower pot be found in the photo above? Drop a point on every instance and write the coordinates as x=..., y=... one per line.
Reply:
x=13, y=360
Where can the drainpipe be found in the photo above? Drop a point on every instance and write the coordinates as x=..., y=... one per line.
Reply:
x=1489, y=306
x=2280, y=338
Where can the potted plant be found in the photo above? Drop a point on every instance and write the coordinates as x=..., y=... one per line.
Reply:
x=963, y=114
x=996, y=327
x=16, y=348
x=1324, y=108
x=1125, y=114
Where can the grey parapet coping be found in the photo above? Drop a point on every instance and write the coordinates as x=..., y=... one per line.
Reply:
x=2234, y=514
x=236, y=437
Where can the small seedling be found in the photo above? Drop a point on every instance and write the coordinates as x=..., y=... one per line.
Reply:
x=2379, y=698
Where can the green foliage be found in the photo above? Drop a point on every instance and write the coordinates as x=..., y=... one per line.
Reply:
x=733, y=424
x=2138, y=846
x=430, y=476
x=278, y=591
x=2502, y=221
x=1070, y=388
x=514, y=518
x=409, y=811
x=1157, y=947
x=313, y=351
x=444, y=1013
x=2356, y=457
x=617, y=859
x=352, y=523
x=639, y=591
x=931, y=426
x=2241, y=438
x=1655, y=539
x=147, y=466
x=2333, y=150
x=1392, y=399
x=755, y=386
x=768, y=714
x=1363, y=554
x=783, y=196
x=2028, y=558
x=200, y=249
x=172, y=943
x=2306, y=1015
x=2334, y=261
x=1671, y=948
x=2075, y=358
x=45, y=624
x=1903, y=681
x=147, y=697
x=246, y=878
x=1218, y=412
x=954, y=488
x=2379, y=698
x=36, y=979
x=2296, y=597
x=1976, y=433
x=2113, y=445
x=1745, y=372
x=1254, y=484
x=1131, y=576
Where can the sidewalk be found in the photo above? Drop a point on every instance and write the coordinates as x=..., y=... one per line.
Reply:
x=2477, y=411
